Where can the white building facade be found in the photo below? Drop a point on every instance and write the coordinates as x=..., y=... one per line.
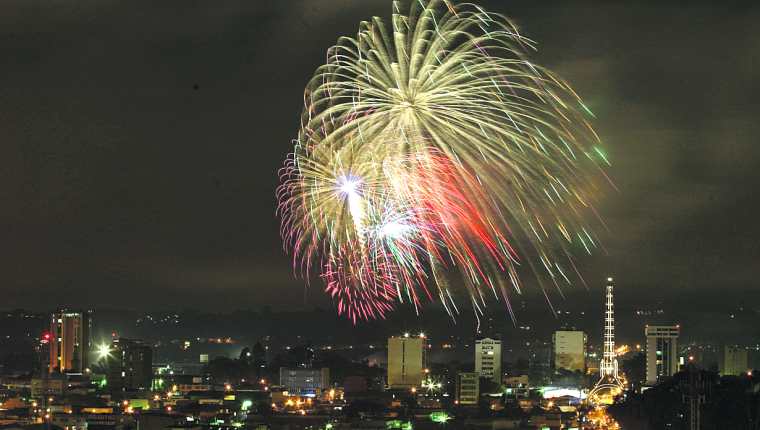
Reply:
x=488, y=358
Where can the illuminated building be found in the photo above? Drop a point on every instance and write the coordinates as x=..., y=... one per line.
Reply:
x=130, y=365
x=569, y=350
x=733, y=361
x=661, y=351
x=488, y=358
x=468, y=388
x=406, y=361
x=301, y=381
x=70, y=341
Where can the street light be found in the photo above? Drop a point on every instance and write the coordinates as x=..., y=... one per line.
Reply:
x=104, y=351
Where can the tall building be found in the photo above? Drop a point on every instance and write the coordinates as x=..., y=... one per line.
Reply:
x=733, y=360
x=406, y=361
x=69, y=341
x=302, y=381
x=661, y=351
x=488, y=358
x=570, y=350
x=130, y=365
x=468, y=388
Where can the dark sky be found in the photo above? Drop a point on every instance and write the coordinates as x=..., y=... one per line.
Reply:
x=140, y=143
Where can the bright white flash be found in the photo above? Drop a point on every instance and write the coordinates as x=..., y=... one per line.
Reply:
x=394, y=230
x=348, y=185
x=103, y=351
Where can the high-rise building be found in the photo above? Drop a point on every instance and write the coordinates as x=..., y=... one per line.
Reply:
x=733, y=360
x=69, y=341
x=488, y=358
x=130, y=365
x=406, y=361
x=661, y=351
x=304, y=381
x=570, y=350
x=468, y=388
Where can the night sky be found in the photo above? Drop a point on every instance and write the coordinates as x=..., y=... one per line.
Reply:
x=140, y=143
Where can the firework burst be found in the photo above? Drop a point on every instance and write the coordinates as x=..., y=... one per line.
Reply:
x=433, y=145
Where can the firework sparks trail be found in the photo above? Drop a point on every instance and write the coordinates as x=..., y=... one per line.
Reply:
x=432, y=146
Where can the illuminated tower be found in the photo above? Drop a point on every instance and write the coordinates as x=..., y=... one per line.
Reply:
x=608, y=385
x=609, y=364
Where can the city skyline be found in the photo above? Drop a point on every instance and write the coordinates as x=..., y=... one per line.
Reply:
x=281, y=376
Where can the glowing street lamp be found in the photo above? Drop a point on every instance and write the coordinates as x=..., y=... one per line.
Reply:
x=104, y=351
